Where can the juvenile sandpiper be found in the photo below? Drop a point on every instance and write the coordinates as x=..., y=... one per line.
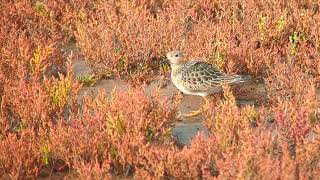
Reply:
x=196, y=77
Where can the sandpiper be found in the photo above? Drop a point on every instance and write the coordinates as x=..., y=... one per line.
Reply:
x=200, y=78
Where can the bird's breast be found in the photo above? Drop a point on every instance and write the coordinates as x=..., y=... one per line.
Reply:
x=177, y=81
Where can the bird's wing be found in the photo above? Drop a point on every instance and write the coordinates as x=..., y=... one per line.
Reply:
x=200, y=76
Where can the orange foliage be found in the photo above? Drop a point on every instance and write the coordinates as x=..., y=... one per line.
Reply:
x=43, y=127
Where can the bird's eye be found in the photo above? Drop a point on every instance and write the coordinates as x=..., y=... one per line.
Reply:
x=176, y=55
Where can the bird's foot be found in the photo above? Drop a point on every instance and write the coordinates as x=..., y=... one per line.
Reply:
x=197, y=112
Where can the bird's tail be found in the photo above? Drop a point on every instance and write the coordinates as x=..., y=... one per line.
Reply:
x=235, y=79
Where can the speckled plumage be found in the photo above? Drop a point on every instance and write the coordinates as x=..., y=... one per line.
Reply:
x=200, y=78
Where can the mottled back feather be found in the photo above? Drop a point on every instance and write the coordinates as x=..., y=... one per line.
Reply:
x=198, y=76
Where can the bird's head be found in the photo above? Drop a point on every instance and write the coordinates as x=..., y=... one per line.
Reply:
x=175, y=57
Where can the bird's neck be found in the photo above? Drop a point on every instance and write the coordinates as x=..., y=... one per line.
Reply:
x=175, y=67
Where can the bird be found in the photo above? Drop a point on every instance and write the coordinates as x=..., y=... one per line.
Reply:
x=200, y=78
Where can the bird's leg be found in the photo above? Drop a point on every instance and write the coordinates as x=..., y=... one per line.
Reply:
x=201, y=110
x=206, y=105
x=193, y=113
